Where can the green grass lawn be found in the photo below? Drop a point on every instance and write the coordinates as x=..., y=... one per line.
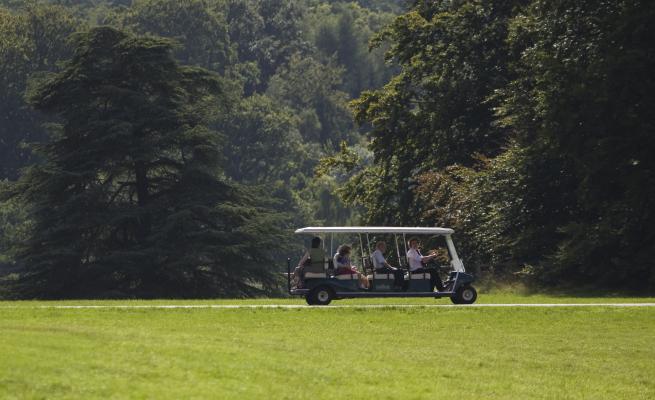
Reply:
x=271, y=353
x=500, y=297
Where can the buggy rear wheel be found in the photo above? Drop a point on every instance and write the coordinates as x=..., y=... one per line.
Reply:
x=464, y=295
x=320, y=296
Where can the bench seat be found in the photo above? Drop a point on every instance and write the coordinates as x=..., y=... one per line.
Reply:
x=310, y=275
x=346, y=277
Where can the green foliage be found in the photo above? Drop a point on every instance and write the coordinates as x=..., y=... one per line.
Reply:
x=436, y=111
x=341, y=33
x=345, y=161
x=501, y=223
x=582, y=98
x=265, y=33
x=310, y=87
x=263, y=141
x=127, y=200
x=524, y=126
x=32, y=41
x=201, y=30
x=276, y=108
x=14, y=226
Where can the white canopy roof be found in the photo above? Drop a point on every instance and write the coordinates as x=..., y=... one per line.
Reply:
x=376, y=229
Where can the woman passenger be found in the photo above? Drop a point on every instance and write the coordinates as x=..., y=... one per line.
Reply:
x=343, y=265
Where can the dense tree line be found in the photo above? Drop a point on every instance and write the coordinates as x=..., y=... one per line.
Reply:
x=526, y=126
x=160, y=147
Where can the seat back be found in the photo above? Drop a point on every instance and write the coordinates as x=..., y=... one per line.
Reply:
x=420, y=276
x=318, y=262
x=384, y=276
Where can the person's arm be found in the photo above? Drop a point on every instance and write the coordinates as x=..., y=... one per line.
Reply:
x=336, y=261
x=380, y=261
x=304, y=259
x=425, y=259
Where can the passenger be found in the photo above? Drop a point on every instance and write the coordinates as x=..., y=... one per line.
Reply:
x=381, y=266
x=416, y=261
x=343, y=265
x=315, y=256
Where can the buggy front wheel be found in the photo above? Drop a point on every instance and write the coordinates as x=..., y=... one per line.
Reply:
x=464, y=295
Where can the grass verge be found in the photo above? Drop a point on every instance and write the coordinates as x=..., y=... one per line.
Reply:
x=508, y=353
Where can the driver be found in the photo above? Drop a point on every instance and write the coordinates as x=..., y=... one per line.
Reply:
x=417, y=261
x=381, y=266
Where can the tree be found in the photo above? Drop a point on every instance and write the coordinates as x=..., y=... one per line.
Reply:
x=32, y=40
x=341, y=33
x=263, y=141
x=201, y=30
x=581, y=99
x=281, y=36
x=524, y=125
x=311, y=88
x=265, y=34
x=439, y=109
x=128, y=199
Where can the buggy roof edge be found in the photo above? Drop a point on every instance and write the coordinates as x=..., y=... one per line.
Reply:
x=375, y=229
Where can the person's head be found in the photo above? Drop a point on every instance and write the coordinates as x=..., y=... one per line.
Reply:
x=344, y=250
x=316, y=242
x=381, y=245
x=413, y=242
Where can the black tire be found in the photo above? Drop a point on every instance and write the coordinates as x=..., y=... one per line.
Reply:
x=320, y=296
x=309, y=299
x=465, y=294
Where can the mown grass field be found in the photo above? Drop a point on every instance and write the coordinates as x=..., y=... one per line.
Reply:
x=327, y=353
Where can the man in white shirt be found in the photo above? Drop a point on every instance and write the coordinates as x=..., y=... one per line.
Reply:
x=381, y=266
x=416, y=261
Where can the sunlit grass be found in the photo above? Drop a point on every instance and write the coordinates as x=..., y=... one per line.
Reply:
x=491, y=353
x=496, y=296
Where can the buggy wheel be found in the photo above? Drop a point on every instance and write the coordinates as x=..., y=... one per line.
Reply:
x=464, y=295
x=309, y=300
x=320, y=296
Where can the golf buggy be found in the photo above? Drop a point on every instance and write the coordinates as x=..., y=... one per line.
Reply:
x=320, y=285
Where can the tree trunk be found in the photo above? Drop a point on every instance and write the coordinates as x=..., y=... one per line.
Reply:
x=143, y=229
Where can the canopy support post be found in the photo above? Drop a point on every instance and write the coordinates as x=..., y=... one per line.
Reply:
x=370, y=251
x=395, y=239
x=458, y=265
x=289, y=275
x=331, y=242
x=405, y=244
x=361, y=246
